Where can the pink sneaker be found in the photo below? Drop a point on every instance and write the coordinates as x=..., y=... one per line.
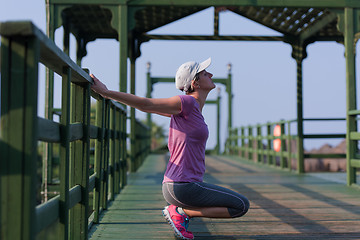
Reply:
x=179, y=222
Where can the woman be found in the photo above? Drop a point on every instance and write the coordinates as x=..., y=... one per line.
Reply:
x=183, y=186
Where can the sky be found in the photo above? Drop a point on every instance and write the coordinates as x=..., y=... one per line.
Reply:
x=263, y=73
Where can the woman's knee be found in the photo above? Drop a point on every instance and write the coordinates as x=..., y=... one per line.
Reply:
x=241, y=210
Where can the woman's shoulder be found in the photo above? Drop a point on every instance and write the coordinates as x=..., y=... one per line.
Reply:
x=187, y=98
x=187, y=104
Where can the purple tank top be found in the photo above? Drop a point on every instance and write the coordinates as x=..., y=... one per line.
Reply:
x=188, y=134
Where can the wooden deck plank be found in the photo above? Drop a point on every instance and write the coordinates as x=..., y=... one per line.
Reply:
x=284, y=205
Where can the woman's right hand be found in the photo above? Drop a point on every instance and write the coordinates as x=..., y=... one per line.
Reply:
x=98, y=86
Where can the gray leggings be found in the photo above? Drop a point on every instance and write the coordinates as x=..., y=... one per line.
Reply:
x=200, y=194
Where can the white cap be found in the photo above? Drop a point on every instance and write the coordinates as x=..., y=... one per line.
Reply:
x=187, y=71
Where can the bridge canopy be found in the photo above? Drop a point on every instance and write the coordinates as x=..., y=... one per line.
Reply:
x=90, y=20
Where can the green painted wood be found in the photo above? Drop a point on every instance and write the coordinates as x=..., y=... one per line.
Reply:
x=80, y=161
x=283, y=205
x=217, y=150
x=112, y=155
x=351, y=123
x=18, y=135
x=355, y=163
x=283, y=162
x=49, y=113
x=123, y=151
x=105, y=160
x=263, y=3
x=213, y=38
x=259, y=156
x=298, y=54
x=65, y=155
x=122, y=27
x=99, y=121
x=133, y=143
x=30, y=136
x=47, y=213
x=49, y=131
x=269, y=144
x=117, y=147
x=330, y=135
x=50, y=55
x=21, y=129
x=325, y=155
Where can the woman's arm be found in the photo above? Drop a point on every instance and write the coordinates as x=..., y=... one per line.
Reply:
x=162, y=106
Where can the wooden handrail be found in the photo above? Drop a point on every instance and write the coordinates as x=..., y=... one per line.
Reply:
x=74, y=127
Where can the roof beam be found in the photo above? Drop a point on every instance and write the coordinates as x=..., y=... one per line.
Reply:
x=258, y=3
x=209, y=37
x=216, y=3
x=231, y=38
x=320, y=24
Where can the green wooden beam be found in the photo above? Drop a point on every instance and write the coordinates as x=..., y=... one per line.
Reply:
x=215, y=37
x=87, y=2
x=123, y=39
x=65, y=155
x=262, y=3
x=50, y=55
x=132, y=113
x=351, y=124
x=259, y=3
x=80, y=160
x=18, y=137
x=99, y=147
x=317, y=26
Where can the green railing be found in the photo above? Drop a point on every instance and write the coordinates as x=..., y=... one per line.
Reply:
x=256, y=143
x=67, y=215
x=141, y=145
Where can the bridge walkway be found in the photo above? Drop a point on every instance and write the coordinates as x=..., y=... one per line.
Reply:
x=284, y=205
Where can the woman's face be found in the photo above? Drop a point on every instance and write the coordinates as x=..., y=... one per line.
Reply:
x=205, y=81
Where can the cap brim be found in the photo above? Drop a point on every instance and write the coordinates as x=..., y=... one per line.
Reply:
x=204, y=64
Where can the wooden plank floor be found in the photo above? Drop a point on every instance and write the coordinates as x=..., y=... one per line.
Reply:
x=283, y=205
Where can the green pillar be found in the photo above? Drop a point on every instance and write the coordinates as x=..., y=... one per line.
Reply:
x=230, y=96
x=351, y=145
x=300, y=117
x=123, y=39
x=218, y=123
x=148, y=95
x=18, y=136
x=259, y=156
x=98, y=158
x=299, y=53
x=65, y=155
x=133, y=154
x=49, y=105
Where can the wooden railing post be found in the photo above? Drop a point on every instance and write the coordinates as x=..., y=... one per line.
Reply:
x=259, y=157
x=289, y=148
x=282, y=137
x=123, y=153
x=242, y=148
x=80, y=161
x=65, y=154
x=18, y=137
x=250, y=143
x=236, y=141
x=269, y=143
x=117, y=163
x=98, y=158
x=111, y=181
x=105, y=163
